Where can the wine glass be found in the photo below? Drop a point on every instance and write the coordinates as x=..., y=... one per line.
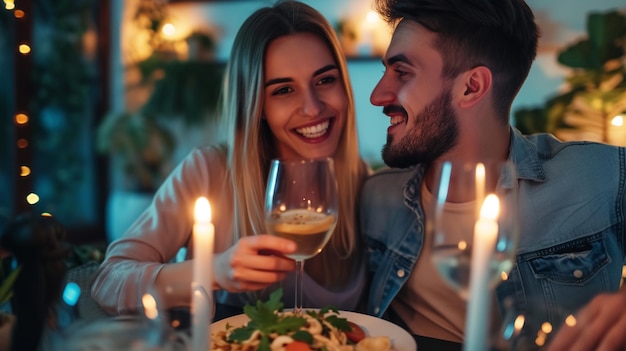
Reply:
x=471, y=218
x=301, y=204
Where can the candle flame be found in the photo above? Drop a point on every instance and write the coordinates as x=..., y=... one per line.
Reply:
x=490, y=207
x=203, y=210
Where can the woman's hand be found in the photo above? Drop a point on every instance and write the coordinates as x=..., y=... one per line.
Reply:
x=600, y=326
x=254, y=263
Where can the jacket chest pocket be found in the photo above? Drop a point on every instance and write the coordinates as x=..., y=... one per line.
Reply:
x=572, y=263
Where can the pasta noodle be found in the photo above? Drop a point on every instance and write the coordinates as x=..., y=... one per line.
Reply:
x=325, y=336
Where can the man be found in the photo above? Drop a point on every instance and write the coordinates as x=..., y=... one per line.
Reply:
x=452, y=70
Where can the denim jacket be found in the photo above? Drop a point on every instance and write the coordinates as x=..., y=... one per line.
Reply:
x=572, y=225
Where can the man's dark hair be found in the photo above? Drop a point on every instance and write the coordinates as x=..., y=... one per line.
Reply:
x=499, y=34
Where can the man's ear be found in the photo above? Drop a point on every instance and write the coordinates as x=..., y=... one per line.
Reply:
x=475, y=84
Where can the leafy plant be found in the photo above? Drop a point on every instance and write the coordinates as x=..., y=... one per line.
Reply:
x=144, y=146
x=596, y=87
x=6, y=288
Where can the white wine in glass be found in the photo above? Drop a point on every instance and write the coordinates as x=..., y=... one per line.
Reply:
x=452, y=209
x=301, y=204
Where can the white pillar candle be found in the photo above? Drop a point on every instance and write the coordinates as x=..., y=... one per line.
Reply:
x=485, y=236
x=202, y=283
x=480, y=187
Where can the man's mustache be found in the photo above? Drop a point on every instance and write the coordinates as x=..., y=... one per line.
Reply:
x=394, y=109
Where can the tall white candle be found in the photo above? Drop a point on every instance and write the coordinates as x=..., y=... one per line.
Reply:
x=480, y=186
x=202, y=283
x=485, y=236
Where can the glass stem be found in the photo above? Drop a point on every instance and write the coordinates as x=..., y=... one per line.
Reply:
x=298, y=298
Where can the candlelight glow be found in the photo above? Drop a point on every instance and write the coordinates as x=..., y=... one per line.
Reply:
x=203, y=210
x=490, y=208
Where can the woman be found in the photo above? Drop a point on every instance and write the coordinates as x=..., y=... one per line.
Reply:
x=286, y=94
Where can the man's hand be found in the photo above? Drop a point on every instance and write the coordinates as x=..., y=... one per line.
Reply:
x=600, y=326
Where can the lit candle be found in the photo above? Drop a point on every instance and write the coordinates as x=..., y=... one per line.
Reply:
x=485, y=235
x=202, y=283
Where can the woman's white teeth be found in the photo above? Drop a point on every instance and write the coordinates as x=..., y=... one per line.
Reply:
x=314, y=131
x=397, y=120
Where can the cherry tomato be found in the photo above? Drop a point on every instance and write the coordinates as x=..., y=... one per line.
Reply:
x=356, y=334
x=297, y=346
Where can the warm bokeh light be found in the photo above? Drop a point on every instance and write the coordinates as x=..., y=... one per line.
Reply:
x=24, y=49
x=21, y=118
x=462, y=245
x=617, y=121
x=18, y=14
x=24, y=171
x=32, y=198
x=372, y=17
x=570, y=321
x=519, y=322
x=149, y=306
x=22, y=143
x=504, y=276
x=168, y=30
x=9, y=5
x=546, y=327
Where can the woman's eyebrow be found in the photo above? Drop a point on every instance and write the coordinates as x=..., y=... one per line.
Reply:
x=285, y=80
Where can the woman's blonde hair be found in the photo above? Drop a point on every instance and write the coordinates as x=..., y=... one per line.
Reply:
x=250, y=144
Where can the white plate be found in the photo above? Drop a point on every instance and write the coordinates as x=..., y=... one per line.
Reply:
x=400, y=338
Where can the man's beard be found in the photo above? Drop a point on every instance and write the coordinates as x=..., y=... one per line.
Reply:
x=433, y=133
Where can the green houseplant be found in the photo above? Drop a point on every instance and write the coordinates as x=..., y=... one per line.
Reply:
x=7, y=319
x=596, y=86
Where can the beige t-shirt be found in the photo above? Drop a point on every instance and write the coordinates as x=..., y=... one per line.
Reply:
x=428, y=305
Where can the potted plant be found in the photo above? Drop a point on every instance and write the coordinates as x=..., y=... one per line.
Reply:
x=142, y=150
x=7, y=319
x=596, y=90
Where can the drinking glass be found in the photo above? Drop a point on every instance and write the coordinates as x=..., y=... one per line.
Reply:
x=457, y=228
x=471, y=217
x=301, y=204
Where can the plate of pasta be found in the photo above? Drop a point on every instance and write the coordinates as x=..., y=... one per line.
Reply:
x=266, y=327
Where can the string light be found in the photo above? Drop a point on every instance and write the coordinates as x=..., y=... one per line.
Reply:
x=24, y=49
x=32, y=198
x=22, y=119
x=25, y=171
x=9, y=4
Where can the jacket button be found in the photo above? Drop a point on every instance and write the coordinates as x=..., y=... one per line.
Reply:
x=578, y=273
x=400, y=273
x=376, y=310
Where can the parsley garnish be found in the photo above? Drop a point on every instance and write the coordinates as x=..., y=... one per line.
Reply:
x=266, y=318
